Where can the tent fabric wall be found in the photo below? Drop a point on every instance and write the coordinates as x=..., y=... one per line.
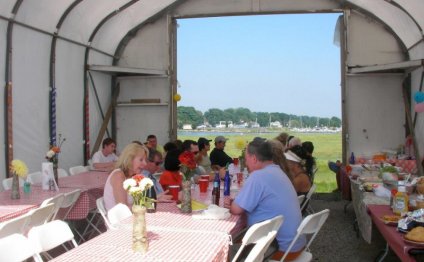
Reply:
x=35, y=25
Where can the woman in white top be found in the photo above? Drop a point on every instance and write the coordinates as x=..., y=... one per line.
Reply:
x=131, y=161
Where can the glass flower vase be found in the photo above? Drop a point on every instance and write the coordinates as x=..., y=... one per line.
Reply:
x=15, y=187
x=140, y=242
x=55, y=172
x=186, y=197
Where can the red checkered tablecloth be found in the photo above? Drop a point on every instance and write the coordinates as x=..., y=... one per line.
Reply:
x=91, y=184
x=173, y=236
x=10, y=208
x=409, y=166
x=165, y=244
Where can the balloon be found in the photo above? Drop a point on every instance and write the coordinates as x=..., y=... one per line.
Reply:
x=177, y=97
x=419, y=97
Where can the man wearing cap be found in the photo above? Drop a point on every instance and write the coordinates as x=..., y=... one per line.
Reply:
x=218, y=157
x=202, y=159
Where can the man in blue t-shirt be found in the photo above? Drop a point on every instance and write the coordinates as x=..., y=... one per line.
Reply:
x=267, y=193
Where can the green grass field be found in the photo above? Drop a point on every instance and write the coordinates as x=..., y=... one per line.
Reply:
x=327, y=147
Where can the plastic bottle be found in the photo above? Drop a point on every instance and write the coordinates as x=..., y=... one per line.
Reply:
x=151, y=193
x=401, y=201
x=227, y=183
x=245, y=174
x=352, y=159
x=216, y=189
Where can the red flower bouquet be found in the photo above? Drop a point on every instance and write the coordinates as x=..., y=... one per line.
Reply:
x=188, y=164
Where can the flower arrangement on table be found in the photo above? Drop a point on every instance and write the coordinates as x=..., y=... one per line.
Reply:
x=53, y=154
x=187, y=165
x=137, y=187
x=19, y=169
x=241, y=144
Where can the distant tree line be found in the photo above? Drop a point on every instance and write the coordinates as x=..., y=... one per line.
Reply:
x=189, y=115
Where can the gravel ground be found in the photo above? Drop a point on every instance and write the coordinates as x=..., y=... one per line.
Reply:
x=337, y=240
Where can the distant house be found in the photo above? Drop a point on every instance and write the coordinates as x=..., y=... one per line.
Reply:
x=221, y=124
x=275, y=124
x=187, y=127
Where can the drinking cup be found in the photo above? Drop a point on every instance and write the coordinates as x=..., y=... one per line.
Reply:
x=207, y=177
x=239, y=178
x=173, y=190
x=27, y=187
x=203, y=184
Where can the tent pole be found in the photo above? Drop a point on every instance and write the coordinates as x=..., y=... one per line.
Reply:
x=411, y=129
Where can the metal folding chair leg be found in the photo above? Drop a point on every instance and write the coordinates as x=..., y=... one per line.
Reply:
x=91, y=224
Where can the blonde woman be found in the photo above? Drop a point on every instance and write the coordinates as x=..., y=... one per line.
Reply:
x=278, y=156
x=130, y=162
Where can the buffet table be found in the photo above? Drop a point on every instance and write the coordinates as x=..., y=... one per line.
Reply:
x=393, y=238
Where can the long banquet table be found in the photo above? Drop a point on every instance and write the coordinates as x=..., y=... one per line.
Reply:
x=173, y=236
x=91, y=185
x=393, y=238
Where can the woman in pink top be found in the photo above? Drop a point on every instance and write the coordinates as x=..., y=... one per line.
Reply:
x=130, y=162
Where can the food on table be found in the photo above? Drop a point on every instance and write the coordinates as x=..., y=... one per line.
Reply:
x=416, y=234
x=391, y=218
x=420, y=185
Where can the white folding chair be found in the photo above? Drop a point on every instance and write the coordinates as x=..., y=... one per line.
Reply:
x=17, y=225
x=261, y=234
x=57, y=201
x=40, y=215
x=305, y=206
x=102, y=210
x=35, y=178
x=301, y=198
x=62, y=172
x=118, y=213
x=68, y=202
x=77, y=169
x=17, y=248
x=7, y=183
x=50, y=235
x=309, y=226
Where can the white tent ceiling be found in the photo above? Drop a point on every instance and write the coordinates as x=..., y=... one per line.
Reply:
x=101, y=25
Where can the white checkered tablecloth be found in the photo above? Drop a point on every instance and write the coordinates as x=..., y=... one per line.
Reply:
x=165, y=244
x=10, y=208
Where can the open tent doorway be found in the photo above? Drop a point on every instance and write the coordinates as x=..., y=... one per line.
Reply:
x=268, y=64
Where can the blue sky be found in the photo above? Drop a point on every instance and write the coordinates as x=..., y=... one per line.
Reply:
x=268, y=63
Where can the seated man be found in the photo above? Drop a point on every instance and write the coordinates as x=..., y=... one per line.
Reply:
x=153, y=163
x=152, y=142
x=105, y=159
x=268, y=193
x=217, y=156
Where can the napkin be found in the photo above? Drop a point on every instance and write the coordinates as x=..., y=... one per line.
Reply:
x=213, y=212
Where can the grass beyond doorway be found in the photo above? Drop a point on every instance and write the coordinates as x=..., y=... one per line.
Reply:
x=327, y=147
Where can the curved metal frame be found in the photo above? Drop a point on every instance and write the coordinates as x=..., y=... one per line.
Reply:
x=8, y=116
